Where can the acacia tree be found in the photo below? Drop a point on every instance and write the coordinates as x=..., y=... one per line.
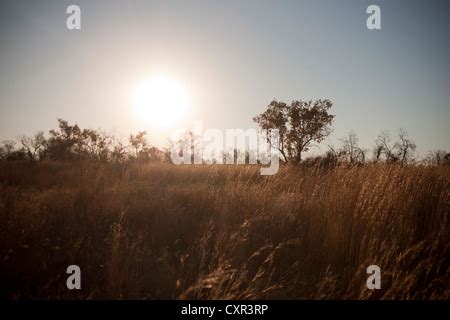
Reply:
x=65, y=143
x=97, y=144
x=299, y=124
x=71, y=142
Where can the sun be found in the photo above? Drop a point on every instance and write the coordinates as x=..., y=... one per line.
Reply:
x=160, y=101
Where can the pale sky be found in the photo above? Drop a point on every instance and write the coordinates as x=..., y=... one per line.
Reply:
x=232, y=58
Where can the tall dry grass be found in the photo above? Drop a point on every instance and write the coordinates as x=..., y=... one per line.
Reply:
x=219, y=232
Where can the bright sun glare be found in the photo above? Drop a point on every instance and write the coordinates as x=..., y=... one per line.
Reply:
x=160, y=101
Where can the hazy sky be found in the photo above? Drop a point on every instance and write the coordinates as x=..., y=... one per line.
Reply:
x=233, y=58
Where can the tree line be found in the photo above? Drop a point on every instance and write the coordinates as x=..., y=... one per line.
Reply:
x=71, y=143
x=301, y=125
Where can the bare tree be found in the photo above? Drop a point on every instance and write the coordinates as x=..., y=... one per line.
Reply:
x=33, y=146
x=378, y=151
x=384, y=146
x=438, y=158
x=351, y=150
x=405, y=147
x=402, y=150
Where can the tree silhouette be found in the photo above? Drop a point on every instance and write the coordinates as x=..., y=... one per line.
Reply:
x=399, y=151
x=405, y=147
x=65, y=143
x=138, y=143
x=438, y=158
x=351, y=150
x=33, y=146
x=8, y=151
x=299, y=124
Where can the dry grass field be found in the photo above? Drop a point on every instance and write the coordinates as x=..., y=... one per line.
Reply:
x=156, y=231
